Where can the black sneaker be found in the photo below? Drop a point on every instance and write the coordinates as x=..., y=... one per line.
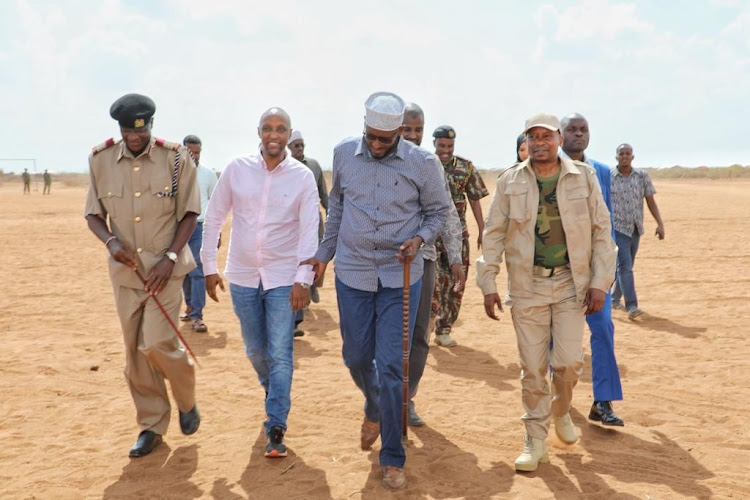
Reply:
x=276, y=447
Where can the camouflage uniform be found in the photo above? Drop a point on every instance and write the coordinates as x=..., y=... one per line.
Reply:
x=464, y=181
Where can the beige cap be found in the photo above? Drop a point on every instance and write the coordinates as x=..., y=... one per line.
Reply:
x=550, y=122
x=384, y=111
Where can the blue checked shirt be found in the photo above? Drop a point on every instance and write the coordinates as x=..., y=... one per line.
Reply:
x=375, y=205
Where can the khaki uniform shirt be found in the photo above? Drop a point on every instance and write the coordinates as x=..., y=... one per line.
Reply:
x=138, y=197
x=509, y=230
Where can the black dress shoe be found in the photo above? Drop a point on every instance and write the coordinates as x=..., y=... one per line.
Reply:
x=190, y=421
x=147, y=441
x=601, y=411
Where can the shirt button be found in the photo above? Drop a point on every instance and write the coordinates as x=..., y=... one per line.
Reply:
x=138, y=219
x=139, y=250
x=166, y=188
x=137, y=194
x=136, y=168
x=109, y=193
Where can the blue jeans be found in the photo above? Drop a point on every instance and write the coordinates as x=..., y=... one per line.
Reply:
x=194, y=285
x=372, y=332
x=267, y=323
x=604, y=372
x=627, y=247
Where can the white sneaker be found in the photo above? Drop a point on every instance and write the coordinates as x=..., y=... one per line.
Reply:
x=565, y=430
x=534, y=451
x=445, y=340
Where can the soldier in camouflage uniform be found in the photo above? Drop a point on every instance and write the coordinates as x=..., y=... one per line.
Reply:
x=464, y=182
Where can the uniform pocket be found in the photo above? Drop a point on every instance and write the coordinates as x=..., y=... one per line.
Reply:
x=110, y=197
x=517, y=193
x=578, y=201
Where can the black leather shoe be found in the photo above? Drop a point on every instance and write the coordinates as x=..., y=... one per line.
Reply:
x=601, y=411
x=190, y=421
x=147, y=441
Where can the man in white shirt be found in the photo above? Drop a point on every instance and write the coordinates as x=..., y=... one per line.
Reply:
x=274, y=205
x=194, y=285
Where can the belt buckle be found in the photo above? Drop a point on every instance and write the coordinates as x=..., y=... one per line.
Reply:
x=544, y=272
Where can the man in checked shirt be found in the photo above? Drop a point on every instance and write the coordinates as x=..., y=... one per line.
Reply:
x=388, y=197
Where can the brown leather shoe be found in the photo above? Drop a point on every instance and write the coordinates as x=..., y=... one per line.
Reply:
x=369, y=434
x=393, y=477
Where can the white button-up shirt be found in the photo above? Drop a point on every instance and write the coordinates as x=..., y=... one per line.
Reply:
x=274, y=222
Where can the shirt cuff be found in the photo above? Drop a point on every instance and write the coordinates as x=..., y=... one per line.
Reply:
x=305, y=274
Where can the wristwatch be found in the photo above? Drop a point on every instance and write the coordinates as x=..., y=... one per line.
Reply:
x=171, y=256
x=303, y=285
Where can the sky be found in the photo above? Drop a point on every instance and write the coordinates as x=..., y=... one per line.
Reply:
x=670, y=78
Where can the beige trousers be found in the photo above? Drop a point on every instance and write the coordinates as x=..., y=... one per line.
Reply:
x=552, y=315
x=153, y=352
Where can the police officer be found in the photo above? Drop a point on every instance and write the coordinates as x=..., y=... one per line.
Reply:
x=142, y=203
x=464, y=182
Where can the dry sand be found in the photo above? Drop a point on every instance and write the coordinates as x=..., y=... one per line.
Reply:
x=65, y=429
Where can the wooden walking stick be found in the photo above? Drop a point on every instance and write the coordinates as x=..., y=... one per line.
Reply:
x=405, y=407
x=166, y=315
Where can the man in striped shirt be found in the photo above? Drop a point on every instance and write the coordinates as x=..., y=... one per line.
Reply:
x=388, y=197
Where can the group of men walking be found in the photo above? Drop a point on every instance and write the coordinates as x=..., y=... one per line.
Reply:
x=392, y=204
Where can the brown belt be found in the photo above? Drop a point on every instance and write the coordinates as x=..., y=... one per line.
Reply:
x=548, y=272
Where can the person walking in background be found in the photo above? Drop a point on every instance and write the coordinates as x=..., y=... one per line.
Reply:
x=629, y=187
x=464, y=182
x=604, y=372
x=274, y=205
x=26, y=177
x=47, y=182
x=143, y=203
x=413, y=131
x=194, y=285
x=549, y=221
x=388, y=197
x=297, y=147
x=522, y=149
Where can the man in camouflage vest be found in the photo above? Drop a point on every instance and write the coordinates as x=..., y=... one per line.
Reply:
x=464, y=182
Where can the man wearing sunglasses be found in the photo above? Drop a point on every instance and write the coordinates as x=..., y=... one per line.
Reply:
x=388, y=197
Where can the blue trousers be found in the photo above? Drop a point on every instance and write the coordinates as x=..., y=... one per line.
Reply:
x=194, y=284
x=627, y=248
x=372, y=332
x=604, y=372
x=267, y=324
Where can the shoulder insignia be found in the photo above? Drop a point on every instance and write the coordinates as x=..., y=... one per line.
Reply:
x=101, y=147
x=166, y=144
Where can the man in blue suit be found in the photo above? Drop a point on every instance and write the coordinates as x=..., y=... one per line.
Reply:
x=604, y=371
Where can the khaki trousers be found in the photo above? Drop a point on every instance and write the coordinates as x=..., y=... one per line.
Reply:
x=153, y=352
x=552, y=315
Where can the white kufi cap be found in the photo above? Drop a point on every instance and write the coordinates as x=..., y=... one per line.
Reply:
x=384, y=111
x=296, y=134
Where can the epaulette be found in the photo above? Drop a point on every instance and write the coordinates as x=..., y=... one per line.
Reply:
x=166, y=144
x=101, y=147
x=456, y=158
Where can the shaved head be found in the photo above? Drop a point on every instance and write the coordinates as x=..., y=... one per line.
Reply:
x=624, y=145
x=275, y=112
x=414, y=111
x=572, y=116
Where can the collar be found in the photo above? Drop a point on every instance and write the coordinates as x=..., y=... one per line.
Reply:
x=124, y=151
x=262, y=161
x=633, y=171
x=566, y=166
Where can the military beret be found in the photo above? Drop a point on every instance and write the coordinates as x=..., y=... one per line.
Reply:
x=133, y=110
x=444, y=132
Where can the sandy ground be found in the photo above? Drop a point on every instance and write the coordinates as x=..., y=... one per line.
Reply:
x=65, y=429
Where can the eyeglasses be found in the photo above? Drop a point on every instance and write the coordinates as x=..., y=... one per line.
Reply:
x=379, y=138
